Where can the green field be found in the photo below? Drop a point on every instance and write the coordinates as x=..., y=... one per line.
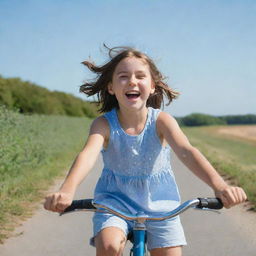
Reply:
x=34, y=150
x=233, y=157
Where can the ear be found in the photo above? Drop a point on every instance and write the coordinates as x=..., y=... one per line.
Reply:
x=110, y=90
x=152, y=88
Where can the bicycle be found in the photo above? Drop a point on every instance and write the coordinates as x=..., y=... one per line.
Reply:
x=138, y=236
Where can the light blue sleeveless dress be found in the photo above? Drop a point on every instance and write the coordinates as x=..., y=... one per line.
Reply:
x=137, y=177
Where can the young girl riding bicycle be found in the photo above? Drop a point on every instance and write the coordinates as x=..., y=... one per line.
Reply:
x=135, y=138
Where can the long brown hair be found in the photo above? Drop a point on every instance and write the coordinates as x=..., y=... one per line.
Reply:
x=99, y=86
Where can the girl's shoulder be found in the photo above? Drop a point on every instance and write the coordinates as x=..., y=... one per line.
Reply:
x=165, y=120
x=164, y=117
x=100, y=121
x=100, y=125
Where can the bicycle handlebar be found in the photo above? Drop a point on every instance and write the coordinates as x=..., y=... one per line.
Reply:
x=200, y=203
x=210, y=203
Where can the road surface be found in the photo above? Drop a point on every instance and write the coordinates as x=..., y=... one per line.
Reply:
x=232, y=233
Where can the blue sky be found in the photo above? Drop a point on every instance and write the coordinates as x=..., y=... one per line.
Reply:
x=207, y=49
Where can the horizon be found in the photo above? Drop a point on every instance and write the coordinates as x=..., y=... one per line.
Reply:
x=88, y=100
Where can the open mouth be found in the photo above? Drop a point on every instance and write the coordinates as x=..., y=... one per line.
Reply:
x=132, y=95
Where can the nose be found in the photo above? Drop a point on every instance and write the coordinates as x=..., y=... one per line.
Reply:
x=132, y=81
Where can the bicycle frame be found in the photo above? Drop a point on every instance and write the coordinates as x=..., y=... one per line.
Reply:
x=139, y=243
x=139, y=229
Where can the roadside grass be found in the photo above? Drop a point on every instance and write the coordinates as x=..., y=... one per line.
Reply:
x=34, y=151
x=234, y=158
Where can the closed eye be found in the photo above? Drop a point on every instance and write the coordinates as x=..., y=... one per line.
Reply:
x=140, y=75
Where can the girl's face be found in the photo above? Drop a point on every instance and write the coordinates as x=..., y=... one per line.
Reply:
x=132, y=83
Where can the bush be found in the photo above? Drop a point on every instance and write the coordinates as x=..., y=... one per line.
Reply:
x=197, y=119
x=239, y=119
x=31, y=98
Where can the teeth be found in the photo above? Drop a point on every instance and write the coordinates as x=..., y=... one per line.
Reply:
x=132, y=93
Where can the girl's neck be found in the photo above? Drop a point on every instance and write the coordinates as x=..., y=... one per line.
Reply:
x=132, y=122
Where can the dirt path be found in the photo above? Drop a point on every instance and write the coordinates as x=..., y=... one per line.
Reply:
x=232, y=233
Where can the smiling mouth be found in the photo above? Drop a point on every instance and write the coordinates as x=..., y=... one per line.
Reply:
x=132, y=95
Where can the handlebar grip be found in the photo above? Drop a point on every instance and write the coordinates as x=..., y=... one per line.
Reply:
x=80, y=204
x=210, y=203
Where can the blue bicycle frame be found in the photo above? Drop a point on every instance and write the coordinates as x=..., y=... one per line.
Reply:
x=139, y=242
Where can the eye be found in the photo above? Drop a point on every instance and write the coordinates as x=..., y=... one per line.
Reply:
x=123, y=77
x=141, y=76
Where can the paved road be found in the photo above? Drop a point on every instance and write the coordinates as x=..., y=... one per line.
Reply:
x=232, y=233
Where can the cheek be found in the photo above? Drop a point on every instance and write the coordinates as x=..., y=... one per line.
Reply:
x=123, y=81
x=145, y=85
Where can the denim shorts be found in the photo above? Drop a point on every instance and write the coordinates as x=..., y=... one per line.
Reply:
x=166, y=233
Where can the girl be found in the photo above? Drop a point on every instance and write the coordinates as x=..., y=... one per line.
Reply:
x=135, y=138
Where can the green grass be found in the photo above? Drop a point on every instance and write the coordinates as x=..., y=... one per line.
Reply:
x=34, y=150
x=232, y=157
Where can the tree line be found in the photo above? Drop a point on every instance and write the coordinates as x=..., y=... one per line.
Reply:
x=197, y=119
x=28, y=97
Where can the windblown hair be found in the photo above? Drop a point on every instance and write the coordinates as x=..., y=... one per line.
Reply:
x=99, y=86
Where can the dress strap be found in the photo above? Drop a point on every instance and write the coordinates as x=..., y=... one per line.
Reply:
x=154, y=114
x=111, y=118
x=153, y=118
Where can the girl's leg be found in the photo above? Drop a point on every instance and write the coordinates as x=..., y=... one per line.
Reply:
x=110, y=242
x=167, y=251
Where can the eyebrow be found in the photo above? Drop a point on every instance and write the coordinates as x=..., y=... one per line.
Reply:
x=126, y=72
x=121, y=72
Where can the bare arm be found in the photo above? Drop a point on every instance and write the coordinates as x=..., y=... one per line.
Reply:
x=169, y=129
x=81, y=166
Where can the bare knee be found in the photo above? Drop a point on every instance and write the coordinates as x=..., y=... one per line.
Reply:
x=167, y=251
x=110, y=242
x=109, y=249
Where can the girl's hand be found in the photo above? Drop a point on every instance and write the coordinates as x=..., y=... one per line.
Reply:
x=231, y=196
x=58, y=202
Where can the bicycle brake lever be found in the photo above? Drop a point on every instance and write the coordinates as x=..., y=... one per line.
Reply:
x=207, y=209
